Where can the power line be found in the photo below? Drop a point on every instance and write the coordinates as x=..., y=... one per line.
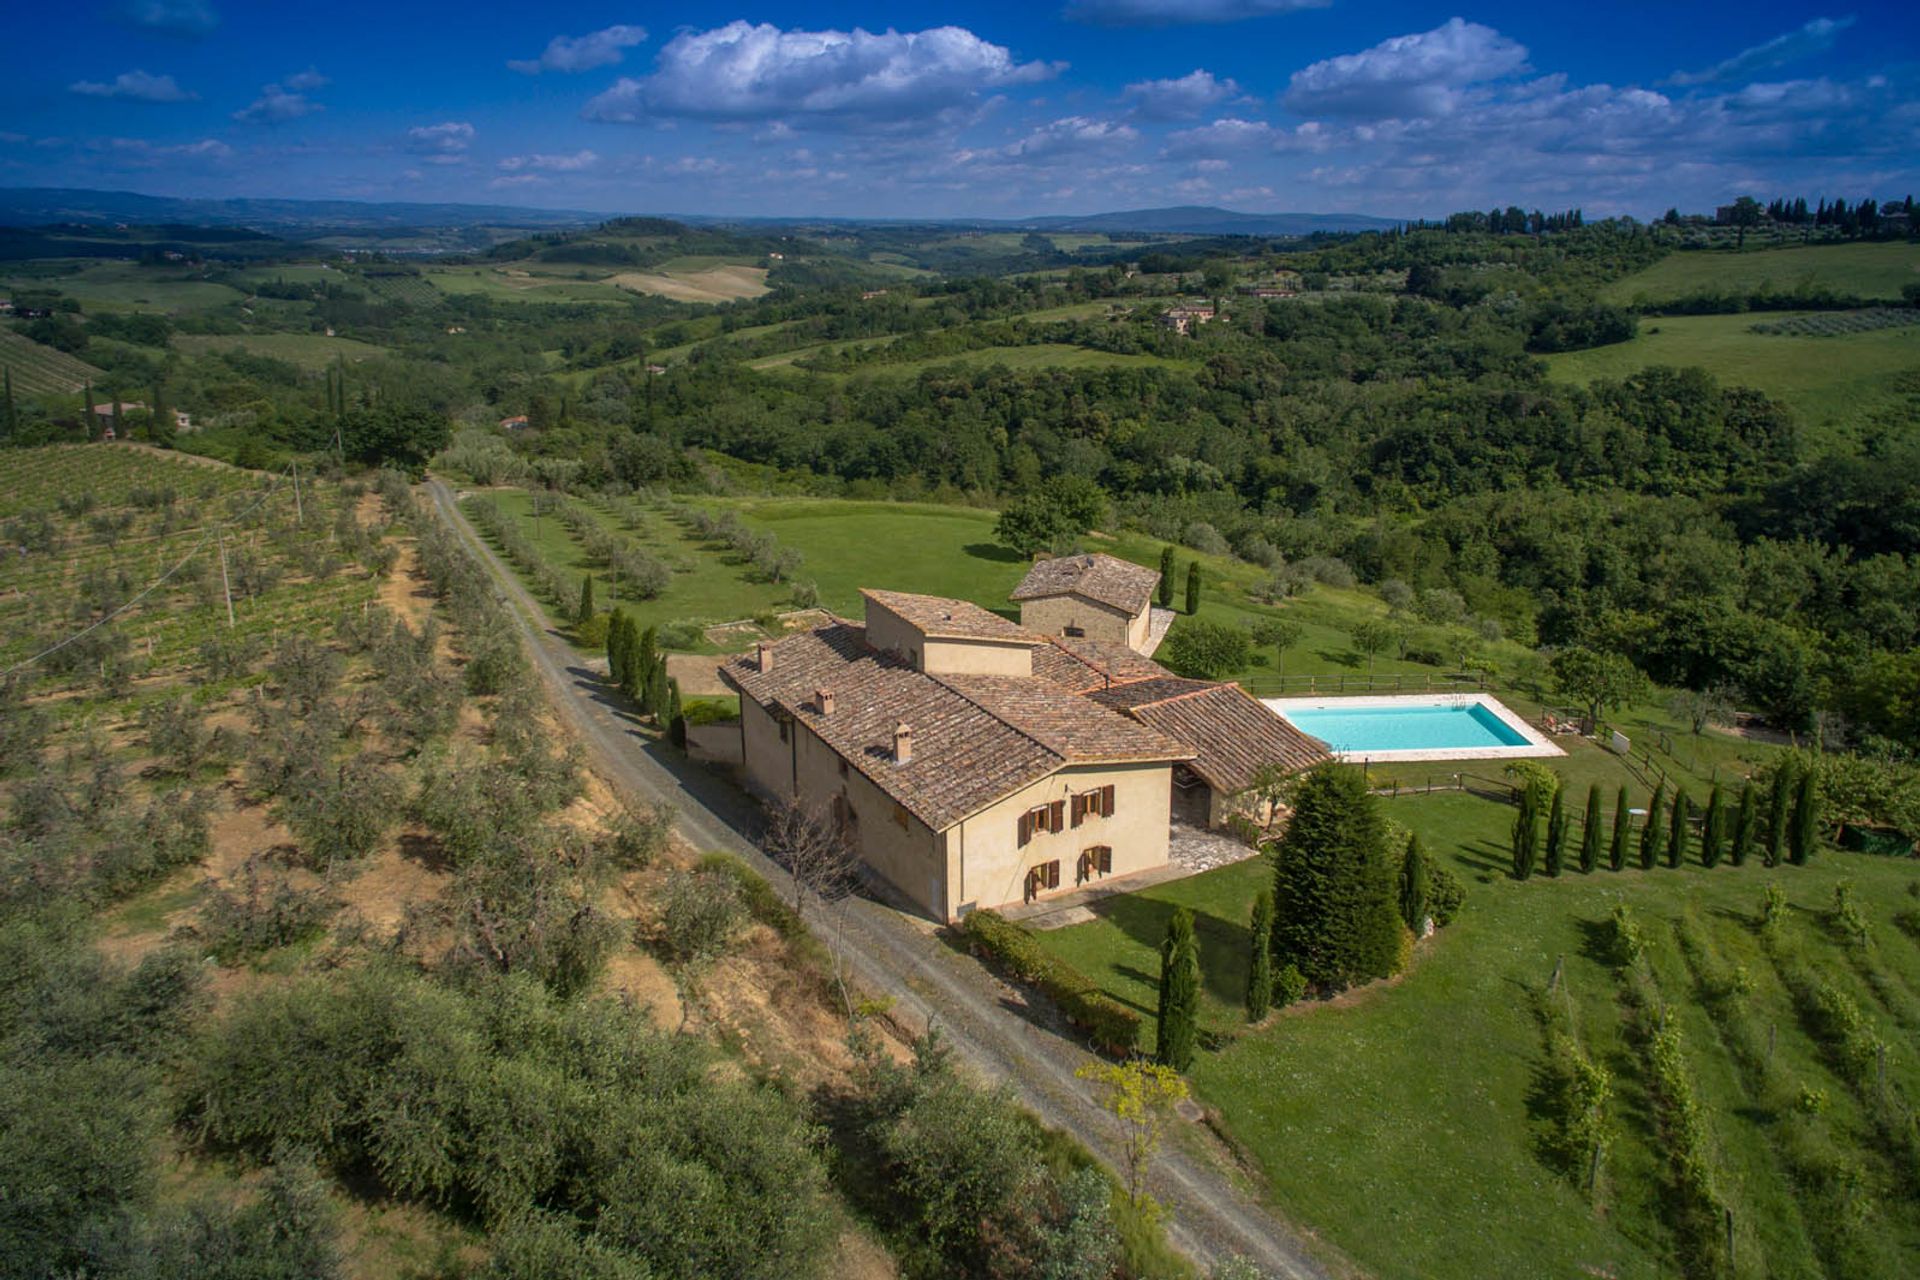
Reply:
x=213, y=531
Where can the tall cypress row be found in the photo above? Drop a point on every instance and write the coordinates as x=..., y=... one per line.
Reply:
x=1806, y=820
x=1622, y=821
x=1556, y=851
x=1590, y=837
x=1745, y=819
x=1779, y=801
x=1713, y=835
x=1166, y=577
x=1678, y=832
x=1179, y=993
x=1260, y=957
x=1652, y=835
x=1526, y=836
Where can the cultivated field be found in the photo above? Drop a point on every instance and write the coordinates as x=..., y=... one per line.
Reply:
x=694, y=283
x=42, y=370
x=127, y=286
x=308, y=350
x=516, y=284
x=1876, y=270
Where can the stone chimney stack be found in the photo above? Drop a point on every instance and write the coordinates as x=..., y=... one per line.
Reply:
x=824, y=697
x=766, y=656
x=902, y=743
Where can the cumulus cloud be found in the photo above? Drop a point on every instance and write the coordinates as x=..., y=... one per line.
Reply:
x=1229, y=136
x=1167, y=13
x=1069, y=138
x=134, y=86
x=1815, y=37
x=306, y=81
x=1186, y=98
x=603, y=48
x=1406, y=77
x=443, y=143
x=170, y=17
x=758, y=72
x=276, y=105
x=582, y=159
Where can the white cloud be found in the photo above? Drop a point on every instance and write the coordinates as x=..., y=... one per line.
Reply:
x=1069, y=138
x=582, y=159
x=1168, y=13
x=746, y=72
x=143, y=153
x=510, y=180
x=444, y=143
x=1406, y=77
x=171, y=17
x=1229, y=136
x=1186, y=98
x=603, y=48
x=135, y=86
x=283, y=101
x=697, y=166
x=1815, y=37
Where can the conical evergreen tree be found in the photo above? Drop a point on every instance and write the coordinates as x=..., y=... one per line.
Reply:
x=1526, y=836
x=1679, y=832
x=676, y=715
x=1166, y=577
x=1779, y=804
x=617, y=641
x=659, y=694
x=1179, y=993
x=1805, y=829
x=1713, y=833
x=1413, y=887
x=1260, y=958
x=1653, y=831
x=1622, y=825
x=1745, y=819
x=1590, y=834
x=1556, y=850
x=583, y=614
x=1335, y=915
x=1193, y=587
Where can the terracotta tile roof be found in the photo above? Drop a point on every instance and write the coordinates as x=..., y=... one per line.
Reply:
x=976, y=738
x=1096, y=576
x=942, y=618
x=1231, y=735
x=1080, y=664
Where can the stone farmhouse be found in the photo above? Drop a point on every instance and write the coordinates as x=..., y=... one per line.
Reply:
x=1093, y=597
x=972, y=762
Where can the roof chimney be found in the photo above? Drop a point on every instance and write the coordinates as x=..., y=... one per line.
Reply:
x=902, y=743
x=825, y=698
x=766, y=656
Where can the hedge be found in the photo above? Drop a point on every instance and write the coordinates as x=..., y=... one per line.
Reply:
x=1112, y=1025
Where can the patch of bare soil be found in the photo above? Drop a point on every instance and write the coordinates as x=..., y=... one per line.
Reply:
x=634, y=975
x=697, y=673
x=393, y=880
x=858, y=1257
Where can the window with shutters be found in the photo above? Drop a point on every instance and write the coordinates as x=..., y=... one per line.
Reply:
x=1097, y=861
x=1045, y=876
x=1097, y=803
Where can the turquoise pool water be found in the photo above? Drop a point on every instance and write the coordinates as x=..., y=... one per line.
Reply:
x=1406, y=727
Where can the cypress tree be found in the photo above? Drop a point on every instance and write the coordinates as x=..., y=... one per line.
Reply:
x=1193, y=588
x=1744, y=820
x=1335, y=914
x=1166, y=576
x=676, y=716
x=1652, y=833
x=1806, y=820
x=1778, y=804
x=617, y=637
x=1526, y=836
x=659, y=695
x=1413, y=887
x=1677, y=831
x=1590, y=837
x=1556, y=852
x=1622, y=821
x=1713, y=834
x=1179, y=993
x=1260, y=958
x=584, y=614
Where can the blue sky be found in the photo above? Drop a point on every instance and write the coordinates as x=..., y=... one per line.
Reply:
x=1052, y=106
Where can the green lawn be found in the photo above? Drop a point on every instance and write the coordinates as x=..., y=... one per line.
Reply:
x=1866, y=270
x=1830, y=381
x=1396, y=1122
x=308, y=350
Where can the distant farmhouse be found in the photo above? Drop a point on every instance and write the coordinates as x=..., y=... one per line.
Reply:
x=182, y=420
x=972, y=762
x=1183, y=318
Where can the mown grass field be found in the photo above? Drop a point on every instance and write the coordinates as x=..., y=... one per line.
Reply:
x=1401, y=1122
x=128, y=286
x=697, y=280
x=514, y=284
x=39, y=370
x=308, y=350
x=1863, y=269
x=1829, y=381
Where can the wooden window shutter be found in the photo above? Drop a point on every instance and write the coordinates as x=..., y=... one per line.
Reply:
x=1103, y=858
x=1058, y=815
x=1026, y=827
x=1051, y=872
x=1079, y=809
x=1106, y=801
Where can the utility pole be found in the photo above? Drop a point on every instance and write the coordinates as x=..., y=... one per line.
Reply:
x=225, y=584
x=299, y=508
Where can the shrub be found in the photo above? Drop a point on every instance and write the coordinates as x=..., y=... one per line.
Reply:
x=260, y=913
x=1445, y=893
x=636, y=837
x=1111, y=1025
x=1335, y=882
x=1289, y=986
x=1207, y=650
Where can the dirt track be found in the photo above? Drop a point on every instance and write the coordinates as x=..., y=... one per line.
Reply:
x=988, y=1023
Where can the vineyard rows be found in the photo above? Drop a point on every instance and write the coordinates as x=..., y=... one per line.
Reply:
x=412, y=290
x=1833, y=323
x=38, y=370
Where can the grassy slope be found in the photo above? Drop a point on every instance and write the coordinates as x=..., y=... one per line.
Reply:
x=126, y=286
x=1829, y=381
x=1397, y=1123
x=495, y=283
x=1867, y=270
x=308, y=350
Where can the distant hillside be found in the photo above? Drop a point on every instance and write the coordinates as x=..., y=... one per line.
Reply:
x=1199, y=220
x=39, y=206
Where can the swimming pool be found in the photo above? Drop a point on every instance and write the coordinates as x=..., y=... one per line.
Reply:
x=1384, y=729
